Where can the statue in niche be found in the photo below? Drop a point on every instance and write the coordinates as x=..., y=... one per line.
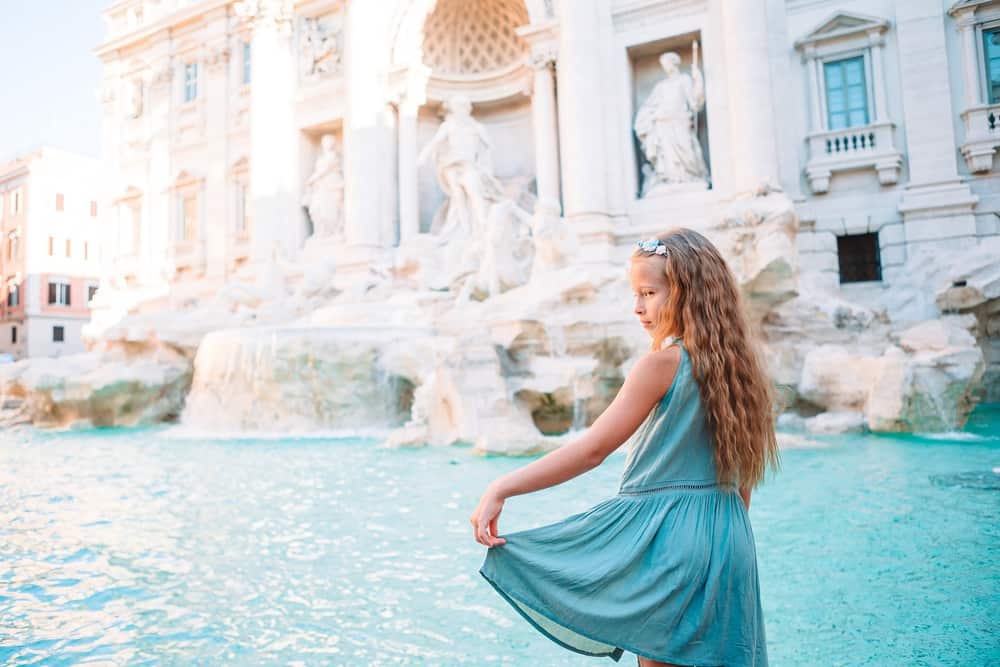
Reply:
x=318, y=49
x=477, y=209
x=665, y=126
x=324, y=192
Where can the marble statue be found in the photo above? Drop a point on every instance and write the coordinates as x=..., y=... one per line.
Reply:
x=477, y=209
x=324, y=192
x=318, y=49
x=665, y=126
x=463, y=159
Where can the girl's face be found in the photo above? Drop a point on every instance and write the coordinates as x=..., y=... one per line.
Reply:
x=650, y=289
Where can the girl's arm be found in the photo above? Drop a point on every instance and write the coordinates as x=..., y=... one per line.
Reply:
x=745, y=494
x=645, y=385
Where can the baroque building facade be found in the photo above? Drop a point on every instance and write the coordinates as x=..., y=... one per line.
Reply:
x=237, y=132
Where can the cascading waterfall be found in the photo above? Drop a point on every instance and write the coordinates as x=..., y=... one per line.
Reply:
x=270, y=379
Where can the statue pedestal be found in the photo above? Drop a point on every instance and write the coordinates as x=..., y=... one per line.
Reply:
x=667, y=189
x=320, y=249
x=353, y=263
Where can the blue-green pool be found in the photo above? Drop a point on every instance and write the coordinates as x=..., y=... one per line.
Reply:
x=140, y=547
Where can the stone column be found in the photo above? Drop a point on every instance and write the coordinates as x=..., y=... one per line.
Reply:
x=752, y=137
x=409, y=202
x=877, y=42
x=157, y=196
x=274, y=149
x=545, y=49
x=970, y=58
x=812, y=65
x=369, y=141
x=584, y=153
x=216, y=223
x=936, y=205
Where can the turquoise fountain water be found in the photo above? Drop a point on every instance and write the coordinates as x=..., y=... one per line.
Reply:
x=136, y=547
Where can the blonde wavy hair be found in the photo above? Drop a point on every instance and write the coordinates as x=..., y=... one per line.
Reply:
x=705, y=309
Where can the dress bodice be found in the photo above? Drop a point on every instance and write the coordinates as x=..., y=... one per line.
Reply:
x=674, y=445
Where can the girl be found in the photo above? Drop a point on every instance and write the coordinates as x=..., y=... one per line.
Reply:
x=666, y=569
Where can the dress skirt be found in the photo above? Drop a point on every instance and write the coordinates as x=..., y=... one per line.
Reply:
x=668, y=574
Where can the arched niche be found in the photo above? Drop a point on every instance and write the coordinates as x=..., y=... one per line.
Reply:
x=443, y=48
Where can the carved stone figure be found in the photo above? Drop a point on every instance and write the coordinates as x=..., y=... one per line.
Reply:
x=477, y=210
x=324, y=192
x=463, y=159
x=318, y=49
x=665, y=126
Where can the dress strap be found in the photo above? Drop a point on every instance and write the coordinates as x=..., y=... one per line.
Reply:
x=670, y=340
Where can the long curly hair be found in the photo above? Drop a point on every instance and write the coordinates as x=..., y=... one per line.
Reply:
x=704, y=308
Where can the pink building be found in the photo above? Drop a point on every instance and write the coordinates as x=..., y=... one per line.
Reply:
x=49, y=251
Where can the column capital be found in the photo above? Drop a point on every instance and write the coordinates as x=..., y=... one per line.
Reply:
x=544, y=55
x=266, y=14
x=543, y=39
x=217, y=56
x=408, y=86
x=162, y=75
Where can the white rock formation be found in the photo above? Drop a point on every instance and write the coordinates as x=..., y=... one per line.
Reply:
x=85, y=390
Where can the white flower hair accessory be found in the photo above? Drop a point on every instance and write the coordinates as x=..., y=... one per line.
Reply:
x=653, y=245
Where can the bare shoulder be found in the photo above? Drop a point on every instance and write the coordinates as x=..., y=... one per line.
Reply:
x=653, y=374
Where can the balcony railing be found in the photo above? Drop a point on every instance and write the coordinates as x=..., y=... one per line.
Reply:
x=982, y=136
x=865, y=146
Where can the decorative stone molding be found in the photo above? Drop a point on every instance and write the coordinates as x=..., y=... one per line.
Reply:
x=267, y=14
x=543, y=40
x=845, y=35
x=217, y=57
x=636, y=14
x=979, y=118
x=162, y=76
x=320, y=46
x=473, y=37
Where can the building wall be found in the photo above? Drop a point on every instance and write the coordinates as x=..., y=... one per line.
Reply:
x=168, y=146
x=51, y=179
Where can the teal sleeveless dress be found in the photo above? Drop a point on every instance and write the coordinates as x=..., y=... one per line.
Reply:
x=666, y=569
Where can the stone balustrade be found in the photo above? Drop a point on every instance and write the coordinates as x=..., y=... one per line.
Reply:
x=982, y=136
x=865, y=146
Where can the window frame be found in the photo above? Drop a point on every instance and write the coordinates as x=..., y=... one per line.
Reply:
x=181, y=228
x=247, y=55
x=189, y=84
x=829, y=58
x=14, y=296
x=983, y=75
x=56, y=293
x=877, y=256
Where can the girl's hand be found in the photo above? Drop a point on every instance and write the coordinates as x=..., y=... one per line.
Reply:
x=484, y=519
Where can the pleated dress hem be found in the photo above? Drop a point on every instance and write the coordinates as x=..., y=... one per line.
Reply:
x=615, y=655
x=515, y=601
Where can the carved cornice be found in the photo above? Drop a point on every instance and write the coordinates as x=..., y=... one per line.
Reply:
x=637, y=14
x=267, y=14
